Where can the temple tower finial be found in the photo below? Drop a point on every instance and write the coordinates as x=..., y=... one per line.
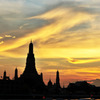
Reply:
x=31, y=48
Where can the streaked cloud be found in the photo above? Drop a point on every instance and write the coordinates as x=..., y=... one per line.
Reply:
x=8, y=36
x=53, y=28
x=23, y=26
x=77, y=61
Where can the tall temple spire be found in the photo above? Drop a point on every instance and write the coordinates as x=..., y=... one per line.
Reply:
x=41, y=76
x=4, y=75
x=30, y=69
x=31, y=48
x=57, y=79
x=30, y=75
x=16, y=74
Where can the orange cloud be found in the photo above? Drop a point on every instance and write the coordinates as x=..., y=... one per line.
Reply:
x=77, y=61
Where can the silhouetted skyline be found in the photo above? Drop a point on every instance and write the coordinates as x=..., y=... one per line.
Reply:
x=30, y=74
x=65, y=34
x=31, y=85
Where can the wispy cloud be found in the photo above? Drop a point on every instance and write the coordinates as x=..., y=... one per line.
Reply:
x=77, y=61
x=60, y=19
x=23, y=25
x=9, y=36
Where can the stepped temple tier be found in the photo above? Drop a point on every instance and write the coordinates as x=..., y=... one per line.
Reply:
x=30, y=84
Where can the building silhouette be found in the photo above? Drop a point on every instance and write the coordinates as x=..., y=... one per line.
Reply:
x=30, y=84
x=16, y=74
x=30, y=75
x=50, y=83
x=57, y=80
x=4, y=75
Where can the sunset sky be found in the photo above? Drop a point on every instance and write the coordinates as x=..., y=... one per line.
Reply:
x=65, y=34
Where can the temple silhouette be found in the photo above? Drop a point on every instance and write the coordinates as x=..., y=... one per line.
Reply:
x=30, y=75
x=30, y=84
